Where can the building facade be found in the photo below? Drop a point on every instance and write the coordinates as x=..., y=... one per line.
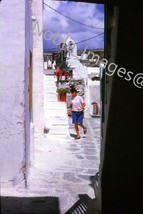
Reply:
x=15, y=114
x=21, y=87
x=38, y=81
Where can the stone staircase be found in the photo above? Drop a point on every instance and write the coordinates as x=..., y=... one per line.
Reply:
x=47, y=146
x=56, y=118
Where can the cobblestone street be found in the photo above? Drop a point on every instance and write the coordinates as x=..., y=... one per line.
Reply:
x=63, y=166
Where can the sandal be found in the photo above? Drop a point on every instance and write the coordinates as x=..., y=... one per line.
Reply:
x=85, y=130
x=78, y=137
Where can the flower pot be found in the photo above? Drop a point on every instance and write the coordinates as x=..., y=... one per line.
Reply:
x=62, y=97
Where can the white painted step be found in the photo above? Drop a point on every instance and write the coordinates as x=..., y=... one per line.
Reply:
x=57, y=121
x=55, y=113
x=55, y=105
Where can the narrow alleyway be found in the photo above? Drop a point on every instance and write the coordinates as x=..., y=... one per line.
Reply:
x=62, y=166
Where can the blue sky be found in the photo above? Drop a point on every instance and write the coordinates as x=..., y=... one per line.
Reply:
x=88, y=22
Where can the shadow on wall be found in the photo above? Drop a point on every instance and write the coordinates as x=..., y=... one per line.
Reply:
x=33, y=205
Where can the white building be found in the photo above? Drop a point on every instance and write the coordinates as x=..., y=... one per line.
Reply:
x=21, y=91
x=93, y=89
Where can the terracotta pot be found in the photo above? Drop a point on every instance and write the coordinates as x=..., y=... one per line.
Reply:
x=62, y=97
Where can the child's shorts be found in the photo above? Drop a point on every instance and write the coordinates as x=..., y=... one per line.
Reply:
x=77, y=117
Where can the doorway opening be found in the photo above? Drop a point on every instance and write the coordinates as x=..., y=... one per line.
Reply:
x=70, y=37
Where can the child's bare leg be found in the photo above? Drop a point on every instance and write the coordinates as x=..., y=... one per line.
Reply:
x=77, y=130
x=81, y=125
x=84, y=128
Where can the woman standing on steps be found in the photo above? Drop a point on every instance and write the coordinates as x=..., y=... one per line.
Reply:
x=77, y=107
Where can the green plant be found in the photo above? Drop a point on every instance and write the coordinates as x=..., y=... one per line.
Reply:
x=58, y=61
x=62, y=90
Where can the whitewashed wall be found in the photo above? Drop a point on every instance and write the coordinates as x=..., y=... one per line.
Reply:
x=94, y=94
x=38, y=81
x=28, y=112
x=93, y=89
x=14, y=108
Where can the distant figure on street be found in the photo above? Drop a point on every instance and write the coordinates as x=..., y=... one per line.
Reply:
x=77, y=107
x=53, y=65
x=49, y=64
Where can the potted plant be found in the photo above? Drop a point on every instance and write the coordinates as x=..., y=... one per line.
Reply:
x=62, y=94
